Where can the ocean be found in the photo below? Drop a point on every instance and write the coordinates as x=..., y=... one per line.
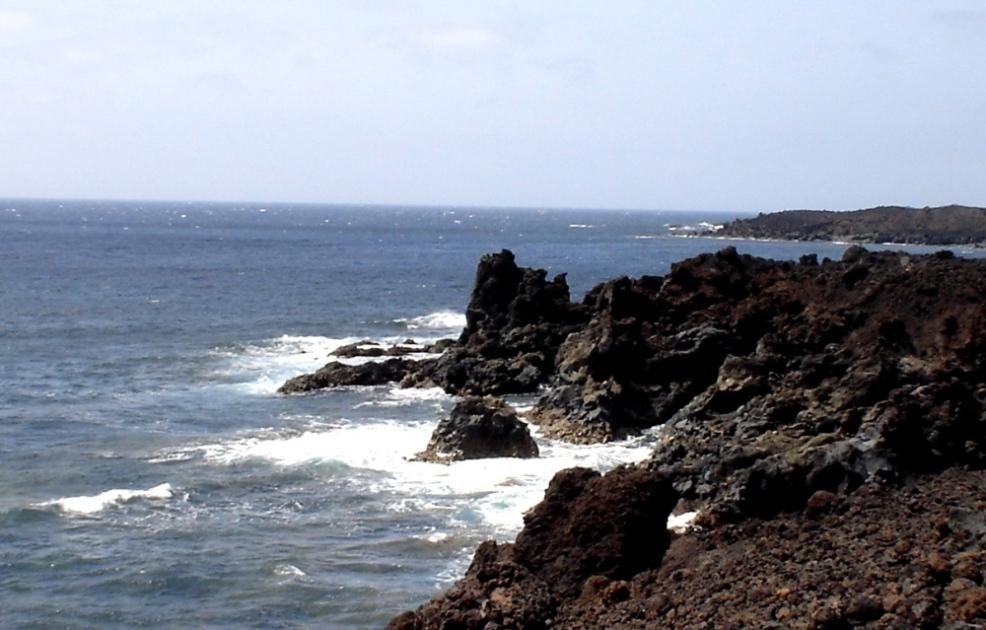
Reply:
x=150, y=475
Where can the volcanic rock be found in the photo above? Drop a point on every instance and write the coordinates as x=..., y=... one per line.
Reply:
x=515, y=321
x=589, y=528
x=479, y=427
x=887, y=556
x=828, y=419
x=337, y=374
x=369, y=348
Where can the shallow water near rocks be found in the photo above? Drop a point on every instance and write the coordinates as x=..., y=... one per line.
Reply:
x=151, y=475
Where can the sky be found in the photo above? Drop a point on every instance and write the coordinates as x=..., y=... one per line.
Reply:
x=758, y=105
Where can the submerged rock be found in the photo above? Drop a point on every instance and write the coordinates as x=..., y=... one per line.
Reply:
x=479, y=427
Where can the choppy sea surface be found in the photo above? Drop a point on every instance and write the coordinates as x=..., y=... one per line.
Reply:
x=149, y=474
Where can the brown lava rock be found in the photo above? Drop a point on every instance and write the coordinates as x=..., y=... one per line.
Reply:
x=588, y=526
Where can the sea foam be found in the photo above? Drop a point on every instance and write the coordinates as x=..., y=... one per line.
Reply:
x=439, y=320
x=260, y=368
x=495, y=491
x=99, y=502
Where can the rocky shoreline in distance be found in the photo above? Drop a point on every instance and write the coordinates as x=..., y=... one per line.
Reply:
x=946, y=225
x=827, y=419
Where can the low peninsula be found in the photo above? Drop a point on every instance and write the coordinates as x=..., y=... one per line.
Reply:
x=945, y=225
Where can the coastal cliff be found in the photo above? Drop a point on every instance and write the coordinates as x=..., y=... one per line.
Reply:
x=827, y=419
x=947, y=225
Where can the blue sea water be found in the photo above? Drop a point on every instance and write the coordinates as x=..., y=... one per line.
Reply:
x=151, y=476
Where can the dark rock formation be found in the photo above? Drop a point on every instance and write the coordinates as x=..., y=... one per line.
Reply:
x=337, y=374
x=370, y=348
x=515, y=321
x=652, y=345
x=894, y=224
x=778, y=379
x=870, y=368
x=589, y=528
x=479, y=427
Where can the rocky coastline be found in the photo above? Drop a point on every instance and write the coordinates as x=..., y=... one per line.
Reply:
x=946, y=225
x=827, y=419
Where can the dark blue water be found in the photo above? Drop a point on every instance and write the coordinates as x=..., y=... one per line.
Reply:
x=150, y=476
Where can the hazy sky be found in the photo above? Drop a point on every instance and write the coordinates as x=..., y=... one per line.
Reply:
x=753, y=105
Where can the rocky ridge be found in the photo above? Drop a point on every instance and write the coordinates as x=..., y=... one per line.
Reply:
x=947, y=225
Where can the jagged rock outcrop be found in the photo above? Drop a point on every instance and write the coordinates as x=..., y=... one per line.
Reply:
x=337, y=374
x=515, y=321
x=652, y=345
x=946, y=225
x=871, y=368
x=588, y=529
x=778, y=379
x=479, y=427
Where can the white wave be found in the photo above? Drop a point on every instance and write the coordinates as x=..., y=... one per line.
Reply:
x=702, y=226
x=403, y=397
x=99, y=502
x=439, y=320
x=496, y=491
x=413, y=356
x=646, y=237
x=288, y=570
x=261, y=367
x=171, y=457
x=582, y=226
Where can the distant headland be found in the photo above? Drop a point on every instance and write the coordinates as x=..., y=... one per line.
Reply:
x=946, y=225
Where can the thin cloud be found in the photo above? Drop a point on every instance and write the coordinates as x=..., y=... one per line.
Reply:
x=456, y=38
x=14, y=21
x=966, y=20
x=75, y=56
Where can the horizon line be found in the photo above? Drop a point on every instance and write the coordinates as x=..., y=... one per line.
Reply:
x=449, y=206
